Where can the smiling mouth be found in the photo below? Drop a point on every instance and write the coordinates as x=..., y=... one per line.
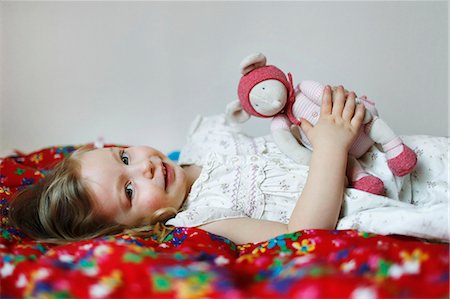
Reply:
x=166, y=171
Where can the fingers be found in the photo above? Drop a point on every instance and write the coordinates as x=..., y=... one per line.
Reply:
x=349, y=107
x=358, y=117
x=342, y=104
x=346, y=92
x=305, y=125
x=338, y=101
x=326, y=106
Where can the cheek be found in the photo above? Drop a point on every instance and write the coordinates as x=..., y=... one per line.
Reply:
x=151, y=201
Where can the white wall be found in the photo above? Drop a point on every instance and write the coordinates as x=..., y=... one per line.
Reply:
x=1, y=81
x=137, y=73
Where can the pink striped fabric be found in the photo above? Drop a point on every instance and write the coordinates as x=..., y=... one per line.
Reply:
x=307, y=106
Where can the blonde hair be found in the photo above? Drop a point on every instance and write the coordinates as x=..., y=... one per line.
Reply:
x=59, y=209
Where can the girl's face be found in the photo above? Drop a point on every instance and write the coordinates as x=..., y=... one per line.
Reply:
x=129, y=184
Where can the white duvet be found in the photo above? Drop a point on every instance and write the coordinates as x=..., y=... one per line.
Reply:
x=414, y=205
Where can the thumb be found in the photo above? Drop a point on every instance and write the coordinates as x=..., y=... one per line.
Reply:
x=306, y=126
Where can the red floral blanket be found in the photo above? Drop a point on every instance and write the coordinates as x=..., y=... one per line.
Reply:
x=192, y=263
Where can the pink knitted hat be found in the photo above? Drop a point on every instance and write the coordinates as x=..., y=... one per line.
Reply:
x=254, y=77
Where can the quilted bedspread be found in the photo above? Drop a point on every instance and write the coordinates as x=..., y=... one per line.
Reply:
x=192, y=263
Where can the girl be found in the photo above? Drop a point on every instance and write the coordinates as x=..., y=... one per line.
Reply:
x=243, y=189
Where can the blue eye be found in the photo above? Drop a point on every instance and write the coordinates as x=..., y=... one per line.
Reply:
x=129, y=190
x=124, y=157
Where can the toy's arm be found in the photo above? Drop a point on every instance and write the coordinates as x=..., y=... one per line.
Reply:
x=314, y=90
x=288, y=144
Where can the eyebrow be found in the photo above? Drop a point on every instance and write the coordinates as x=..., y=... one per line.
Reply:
x=112, y=151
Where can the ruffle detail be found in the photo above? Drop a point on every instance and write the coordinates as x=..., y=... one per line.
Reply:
x=228, y=187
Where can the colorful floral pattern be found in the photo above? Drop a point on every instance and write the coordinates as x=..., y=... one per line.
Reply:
x=192, y=263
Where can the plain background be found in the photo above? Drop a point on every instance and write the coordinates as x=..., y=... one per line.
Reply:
x=139, y=72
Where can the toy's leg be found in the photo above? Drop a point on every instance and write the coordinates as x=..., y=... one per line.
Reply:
x=362, y=180
x=401, y=159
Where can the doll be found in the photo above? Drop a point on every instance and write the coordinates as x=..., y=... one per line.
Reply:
x=265, y=91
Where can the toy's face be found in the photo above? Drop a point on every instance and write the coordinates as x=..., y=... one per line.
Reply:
x=268, y=97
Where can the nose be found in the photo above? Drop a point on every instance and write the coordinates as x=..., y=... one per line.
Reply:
x=277, y=104
x=145, y=168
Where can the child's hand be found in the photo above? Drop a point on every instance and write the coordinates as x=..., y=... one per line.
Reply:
x=346, y=92
x=339, y=122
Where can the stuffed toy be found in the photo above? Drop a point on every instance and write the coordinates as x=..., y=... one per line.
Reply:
x=265, y=91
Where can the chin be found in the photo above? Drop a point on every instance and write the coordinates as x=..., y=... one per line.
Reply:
x=180, y=175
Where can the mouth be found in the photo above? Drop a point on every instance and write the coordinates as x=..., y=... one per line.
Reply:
x=168, y=174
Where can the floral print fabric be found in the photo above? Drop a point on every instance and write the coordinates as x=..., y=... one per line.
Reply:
x=191, y=263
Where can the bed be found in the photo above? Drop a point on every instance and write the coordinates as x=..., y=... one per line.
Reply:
x=191, y=263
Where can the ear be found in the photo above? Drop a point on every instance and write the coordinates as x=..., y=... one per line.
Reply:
x=235, y=113
x=251, y=62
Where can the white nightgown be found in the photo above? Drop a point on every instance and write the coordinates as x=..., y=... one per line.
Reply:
x=244, y=176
